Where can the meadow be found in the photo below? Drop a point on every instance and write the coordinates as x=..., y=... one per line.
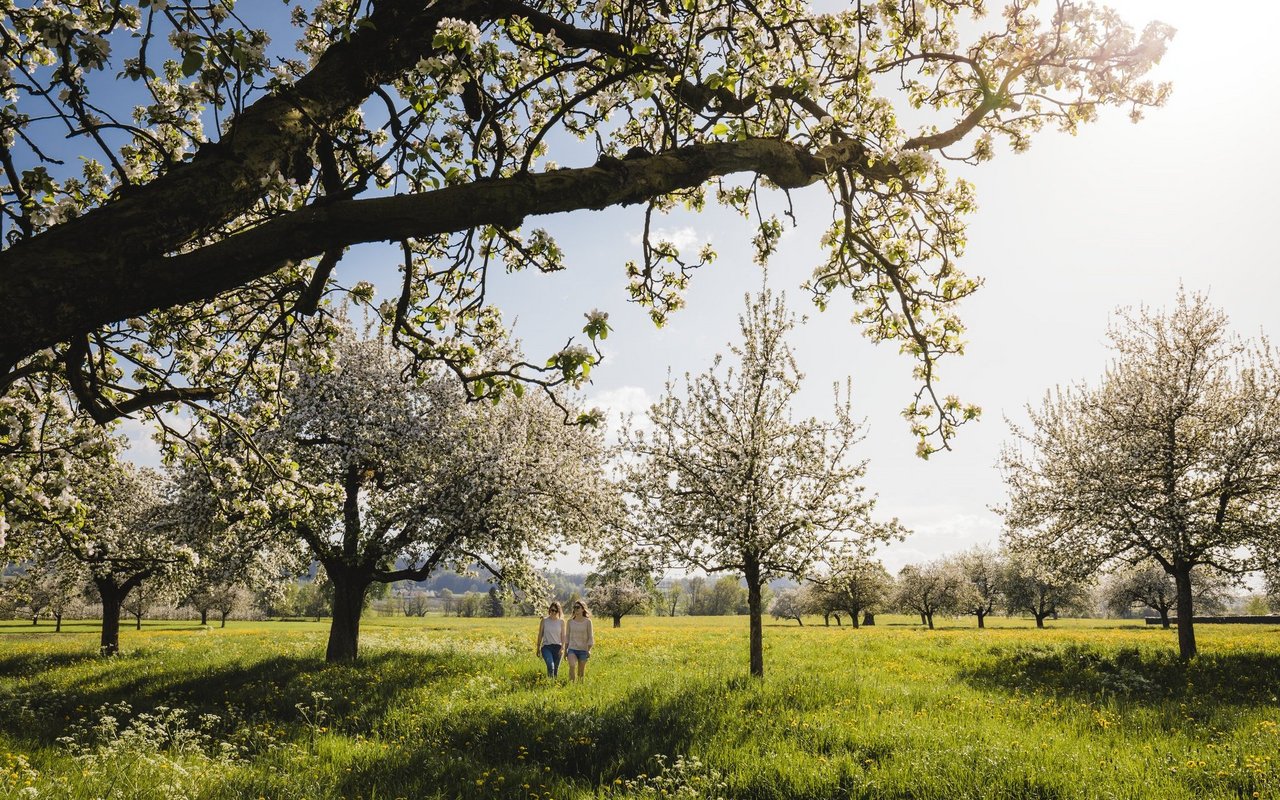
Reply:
x=445, y=708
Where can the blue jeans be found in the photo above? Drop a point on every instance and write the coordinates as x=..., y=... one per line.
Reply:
x=551, y=654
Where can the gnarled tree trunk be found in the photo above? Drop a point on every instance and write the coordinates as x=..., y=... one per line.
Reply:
x=112, y=599
x=1186, y=633
x=349, y=587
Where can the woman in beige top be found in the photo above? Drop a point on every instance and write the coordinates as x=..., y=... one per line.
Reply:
x=581, y=638
x=551, y=638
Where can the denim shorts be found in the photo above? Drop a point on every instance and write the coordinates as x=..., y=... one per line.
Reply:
x=581, y=655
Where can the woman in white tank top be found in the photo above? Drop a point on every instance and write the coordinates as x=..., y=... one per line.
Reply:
x=551, y=638
x=580, y=638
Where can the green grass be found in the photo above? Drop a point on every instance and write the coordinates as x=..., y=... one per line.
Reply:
x=444, y=708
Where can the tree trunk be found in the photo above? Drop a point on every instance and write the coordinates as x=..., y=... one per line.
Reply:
x=204, y=616
x=138, y=620
x=1164, y=617
x=224, y=619
x=109, y=644
x=349, y=587
x=929, y=617
x=853, y=618
x=924, y=620
x=868, y=618
x=617, y=620
x=982, y=618
x=57, y=623
x=754, y=599
x=801, y=621
x=1186, y=633
x=1040, y=619
x=826, y=619
x=839, y=622
x=35, y=619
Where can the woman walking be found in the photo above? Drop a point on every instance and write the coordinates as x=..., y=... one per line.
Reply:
x=551, y=638
x=581, y=638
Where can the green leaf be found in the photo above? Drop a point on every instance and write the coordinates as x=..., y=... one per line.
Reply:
x=192, y=61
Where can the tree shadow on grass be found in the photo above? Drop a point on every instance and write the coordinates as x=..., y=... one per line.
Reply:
x=1133, y=674
x=17, y=665
x=261, y=691
x=555, y=748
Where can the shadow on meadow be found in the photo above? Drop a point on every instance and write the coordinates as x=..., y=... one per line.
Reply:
x=558, y=747
x=18, y=665
x=260, y=691
x=1138, y=675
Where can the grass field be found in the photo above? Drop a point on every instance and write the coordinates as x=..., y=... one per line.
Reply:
x=444, y=708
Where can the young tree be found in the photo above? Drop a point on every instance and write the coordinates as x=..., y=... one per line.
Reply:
x=448, y=602
x=1032, y=586
x=306, y=597
x=672, y=596
x=210, y=205
x=469, y=604
x=417, y=604
x=617, y=598
x=792, y=603
x=233, y=599
x=387, y=480
x=727, y=480
x=982, y=569
x=927, y=590
x=695, y=607
x=141, y=600
x=51, y=586
x=1173, y=458
x=854, y=583
x=1150, y=586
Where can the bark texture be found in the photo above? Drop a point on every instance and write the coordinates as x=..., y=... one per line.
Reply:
x=754, y=603
x=1186, y=628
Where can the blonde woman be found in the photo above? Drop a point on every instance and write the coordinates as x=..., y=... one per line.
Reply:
x=579, y=641
x=551, y=638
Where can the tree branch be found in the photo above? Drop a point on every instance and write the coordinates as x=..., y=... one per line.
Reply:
x=107, y=296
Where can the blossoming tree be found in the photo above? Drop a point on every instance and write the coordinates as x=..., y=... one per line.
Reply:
x=727, y=480
x=126, y=532
x=196, y=218
x=854, y=583
x=388, y=478
x=1173, y=458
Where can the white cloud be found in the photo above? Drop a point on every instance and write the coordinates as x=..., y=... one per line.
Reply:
x=683, y=238
x=143, y=448
x=936, y=533
x=619, y=403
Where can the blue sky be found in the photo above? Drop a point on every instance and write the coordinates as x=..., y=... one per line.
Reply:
x=1119, y=215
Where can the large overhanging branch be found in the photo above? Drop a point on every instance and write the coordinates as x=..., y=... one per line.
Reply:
x=219, y=182
x=103, y=297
